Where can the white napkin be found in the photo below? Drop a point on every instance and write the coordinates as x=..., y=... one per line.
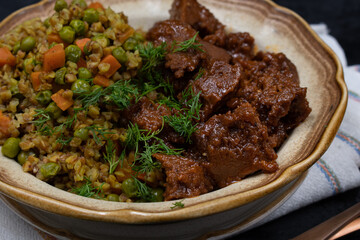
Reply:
x=336, y=171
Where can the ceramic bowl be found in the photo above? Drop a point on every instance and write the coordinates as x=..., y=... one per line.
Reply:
x=223, y=211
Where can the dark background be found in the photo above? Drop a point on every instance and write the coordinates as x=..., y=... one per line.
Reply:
x=343, y=20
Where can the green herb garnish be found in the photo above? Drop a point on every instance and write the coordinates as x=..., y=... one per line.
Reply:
x=120, y=93
x=178, y=204
x=152, y=56
x=43, y=117
x=87, y=190
x=188, y=44
x=99, y=133
x=110, y=156
x=200, y=74
x=137, y=138
x=183, y=122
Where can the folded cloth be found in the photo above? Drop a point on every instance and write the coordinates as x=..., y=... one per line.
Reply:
x=336, y=171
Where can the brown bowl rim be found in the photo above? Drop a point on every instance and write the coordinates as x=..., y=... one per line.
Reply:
x=129, y=216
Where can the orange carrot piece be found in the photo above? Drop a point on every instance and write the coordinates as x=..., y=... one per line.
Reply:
x=62, y=102
x=101, y=80
x=82, y=42
x=6, y=57
x=35, y=80
x=81, y=63
x=4, y=124
x=96, y=5
x=54, y=38
x=54, y=58
x=124, y=36
x=114, y=65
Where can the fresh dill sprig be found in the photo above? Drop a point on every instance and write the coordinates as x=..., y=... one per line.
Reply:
x=178, y=204
x=69, y=122
x=182, y=122
x=192, y=102
x=92, y=98
x=42, y=117
x=133, y=135
x=143, y=191
x=152, y=56
x=64, y=140
x=110, y=156
x=185, y=45
x=200, y=74
x=137, y=138
x=99, y=133
x=87, y=190
x=144, y=160
x=171, y=102
x=121, y=93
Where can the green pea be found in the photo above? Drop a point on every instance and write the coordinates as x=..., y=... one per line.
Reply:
x=14, y=88
x=157, y=195
x=23, y=156
x=96, y=88
x=73, y=53
x=60, y=76
x=44, y=97
x=129, y=187
x=28, y=65
x=67, y=34
x=87, y=52
x=16, y=47
x=82, y=133
x=102, y=40
x=81, y=3
x=84, y=73
x=80, y=86
x=139, y=37
x=60, y=5
x=113, y=197
x=27, y=44
x=11, y=147
x=50, y=169
x=78, y=26
x=91, y=15
x=120, y=54
x=54, y=110
x=130, y=44
x=47, y=22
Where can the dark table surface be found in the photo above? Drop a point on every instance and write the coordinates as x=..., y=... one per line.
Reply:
x=343, y=20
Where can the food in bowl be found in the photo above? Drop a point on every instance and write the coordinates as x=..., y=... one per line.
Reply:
x=93, y=107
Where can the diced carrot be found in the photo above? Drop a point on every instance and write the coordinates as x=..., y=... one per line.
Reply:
x=54, y=58
x=124, y=36
x=54, y=38
x=4, y=124
x=35, y=80
x=61, y=101
x=6, y=57
x=114, y=65
x=81, y=63
x=82, y=42
x=96, y=5
x=101, y=80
